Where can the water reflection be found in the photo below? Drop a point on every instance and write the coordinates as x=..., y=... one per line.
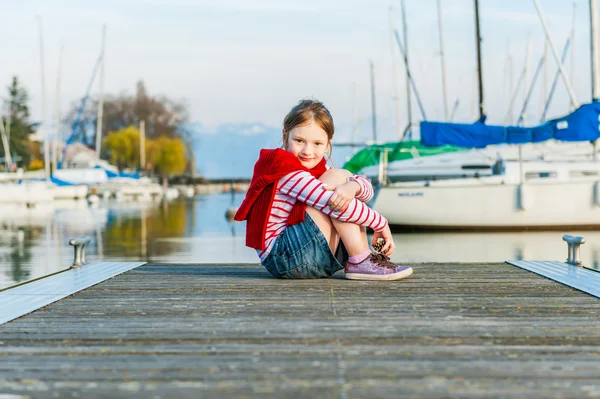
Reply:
x=16, y=251
x=34, y=241
x=492, y=247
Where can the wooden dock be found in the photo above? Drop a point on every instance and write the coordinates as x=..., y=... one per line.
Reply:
x=200, y=331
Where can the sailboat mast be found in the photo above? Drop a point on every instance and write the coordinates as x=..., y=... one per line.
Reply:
x=143, y=145
x=572, y=66
x=595, y=60
x=479, y=69
x=396, y=94
x=544, y=91
x=5, y=140
x=561, y=68
x=373, y=107
x=443, y=60
x=101, y=99
x=595, y=51
x=408, y=96
x=57, y=131
x=43, y=124
x=526, y=76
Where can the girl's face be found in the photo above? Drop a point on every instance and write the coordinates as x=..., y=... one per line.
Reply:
x=308, y=143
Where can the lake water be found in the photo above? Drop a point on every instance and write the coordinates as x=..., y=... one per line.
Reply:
x=34, y=242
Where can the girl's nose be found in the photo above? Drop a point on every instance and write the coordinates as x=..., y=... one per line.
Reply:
x=305, y=150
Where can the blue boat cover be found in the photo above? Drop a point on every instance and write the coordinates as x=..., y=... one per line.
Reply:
x=111, y=175
x=60, y=182
x=581, y=125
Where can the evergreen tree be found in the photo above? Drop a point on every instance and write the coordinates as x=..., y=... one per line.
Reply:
x=20, y=125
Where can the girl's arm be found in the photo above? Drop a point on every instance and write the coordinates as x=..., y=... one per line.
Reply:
x=304, y=187
x=356, y=186
x=366, y=188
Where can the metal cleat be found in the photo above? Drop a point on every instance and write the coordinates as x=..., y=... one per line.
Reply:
x=573, y=243
x=79, y=245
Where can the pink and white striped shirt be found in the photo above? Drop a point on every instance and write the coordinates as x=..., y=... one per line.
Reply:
x=302, y=186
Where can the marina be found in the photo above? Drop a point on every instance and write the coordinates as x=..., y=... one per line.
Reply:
x=124, y=275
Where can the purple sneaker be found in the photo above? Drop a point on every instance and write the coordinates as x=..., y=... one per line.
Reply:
x=376, y=267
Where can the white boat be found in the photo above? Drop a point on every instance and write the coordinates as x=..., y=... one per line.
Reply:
x=550, y=194
x=81, y=175
x=130, y=189
x=475, y=162
x=11, y=176
x=27, y=193
x=74, y=192
x=443, y=166
x=75, y=214
x=561, y=191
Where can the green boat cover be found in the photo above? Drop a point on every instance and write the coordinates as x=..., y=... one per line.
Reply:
x=397, y=151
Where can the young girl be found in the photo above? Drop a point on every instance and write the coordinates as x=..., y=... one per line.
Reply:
x=298, y=210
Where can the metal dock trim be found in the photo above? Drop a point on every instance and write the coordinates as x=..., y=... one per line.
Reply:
x=579, y=278
x=26, y=298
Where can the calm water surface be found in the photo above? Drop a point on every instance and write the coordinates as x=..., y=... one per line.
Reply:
x=34, y=242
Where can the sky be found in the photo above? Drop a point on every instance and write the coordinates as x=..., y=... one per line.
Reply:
x=250, y=61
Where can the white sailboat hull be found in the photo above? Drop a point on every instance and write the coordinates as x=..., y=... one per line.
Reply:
x=495, y=202
x=26, y=193
x=70, y=192
x=495, y=206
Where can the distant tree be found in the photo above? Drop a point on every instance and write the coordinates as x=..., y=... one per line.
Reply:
x=123, y=147
x=163, y=116
x=20, y=125
x=167, y=156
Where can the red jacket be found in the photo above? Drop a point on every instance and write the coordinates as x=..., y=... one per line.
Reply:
x=271, y=166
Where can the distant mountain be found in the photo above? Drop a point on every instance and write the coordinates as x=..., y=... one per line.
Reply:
x=230, y=150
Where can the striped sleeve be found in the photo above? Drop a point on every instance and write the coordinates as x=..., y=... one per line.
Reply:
x=304, y=187
x=366, y=188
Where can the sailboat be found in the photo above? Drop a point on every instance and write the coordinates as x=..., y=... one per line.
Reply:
x=27, y=193
x=519, y=193
x=84, y=168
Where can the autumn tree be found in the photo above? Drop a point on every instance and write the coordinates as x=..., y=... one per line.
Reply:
x=123, y=147
x=167, y=156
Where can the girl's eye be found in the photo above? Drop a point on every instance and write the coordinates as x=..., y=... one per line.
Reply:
x=298, y=141
x=319, y=143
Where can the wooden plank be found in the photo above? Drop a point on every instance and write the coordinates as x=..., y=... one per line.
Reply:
x=233, y=331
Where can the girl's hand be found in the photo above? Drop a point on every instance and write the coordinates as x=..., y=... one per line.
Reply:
x=344, y=193
x=386, y=234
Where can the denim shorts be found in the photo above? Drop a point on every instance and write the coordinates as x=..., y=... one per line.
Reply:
x=302, y=251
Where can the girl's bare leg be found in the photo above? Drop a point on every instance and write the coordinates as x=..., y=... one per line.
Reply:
x=352, y=235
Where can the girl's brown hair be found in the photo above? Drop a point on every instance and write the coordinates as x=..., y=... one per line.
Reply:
x=303, y=113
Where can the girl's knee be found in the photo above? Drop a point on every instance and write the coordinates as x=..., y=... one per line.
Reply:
x=335, y=176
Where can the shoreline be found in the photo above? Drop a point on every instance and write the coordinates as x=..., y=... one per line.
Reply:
x=214, y=186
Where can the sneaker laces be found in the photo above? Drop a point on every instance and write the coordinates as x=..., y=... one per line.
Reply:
x=382, y=260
